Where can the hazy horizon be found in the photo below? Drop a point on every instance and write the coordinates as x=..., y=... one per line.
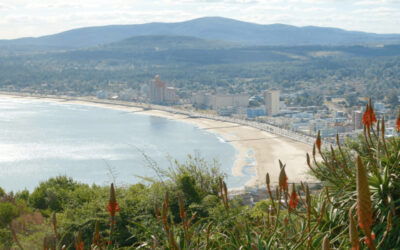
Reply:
x=23, y=18
x=116, y=24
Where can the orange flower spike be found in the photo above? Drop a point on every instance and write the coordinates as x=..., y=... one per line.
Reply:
x=113, y=206
x=54, y=221
x=318, y=141
x=371, y=111
x=364, y=204
x=294, y=199
x=267, y=179
x=96, y=235
x=370, y=240
x=181, y=207
x=354, y=237
x=78, y=241
x=283, y=184
x=398, y=122
x=365, y=117
x=369, y=115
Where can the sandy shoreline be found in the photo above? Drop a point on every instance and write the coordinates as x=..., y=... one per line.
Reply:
x=266, y=148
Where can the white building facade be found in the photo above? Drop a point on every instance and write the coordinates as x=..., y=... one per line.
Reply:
x=272, y=104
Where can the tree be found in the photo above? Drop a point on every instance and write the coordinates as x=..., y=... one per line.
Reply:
x=8, y=212
x=52, y=193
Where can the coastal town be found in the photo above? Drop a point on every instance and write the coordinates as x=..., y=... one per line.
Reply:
x=271, y=108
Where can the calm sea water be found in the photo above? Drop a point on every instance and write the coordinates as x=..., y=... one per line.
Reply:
x=39, y=140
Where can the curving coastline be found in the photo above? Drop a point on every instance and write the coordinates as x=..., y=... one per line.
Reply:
x=249, y=142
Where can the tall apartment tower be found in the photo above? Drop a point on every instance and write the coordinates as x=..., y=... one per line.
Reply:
x=357, y=119
x=157, y=90
x=271, y=98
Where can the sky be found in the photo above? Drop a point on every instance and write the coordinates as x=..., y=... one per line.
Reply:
x=23, y=18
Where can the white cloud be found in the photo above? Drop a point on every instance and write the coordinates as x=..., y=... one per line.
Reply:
x=368, y=3
x=212, y=1
x=4, y=6
x=59, y=5
x=377, y=2
x=381, y=10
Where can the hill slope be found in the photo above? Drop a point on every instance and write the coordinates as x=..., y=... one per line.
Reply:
x=164, y=50
x=212, y=28
x=164, y=42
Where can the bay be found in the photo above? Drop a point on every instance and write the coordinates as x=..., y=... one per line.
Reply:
x=40, y=139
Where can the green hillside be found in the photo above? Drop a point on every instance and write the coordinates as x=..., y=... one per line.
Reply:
x=192, y=64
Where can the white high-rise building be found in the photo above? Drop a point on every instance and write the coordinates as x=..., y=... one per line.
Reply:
x=271, y=98
x=357, y=119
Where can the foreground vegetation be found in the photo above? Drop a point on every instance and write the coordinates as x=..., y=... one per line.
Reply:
x=188, y=206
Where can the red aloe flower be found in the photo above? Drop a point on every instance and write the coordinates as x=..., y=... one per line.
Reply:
x=369, y=115
x=368, y=241
x=318, y=141
x=283, y=179
x=78, y=242
x=79, y=246
x=398, y=122
x=294, y=199
x=364, y=204
x=354, y=240
x=113, y=206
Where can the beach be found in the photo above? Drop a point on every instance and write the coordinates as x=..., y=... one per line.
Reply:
x=263, y=148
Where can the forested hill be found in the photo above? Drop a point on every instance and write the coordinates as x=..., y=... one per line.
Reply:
x=165, y=42
x=210, y=28
x=178, y=50
x=193, y=64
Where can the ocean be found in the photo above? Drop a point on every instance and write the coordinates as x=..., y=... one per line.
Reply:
x=41, y=139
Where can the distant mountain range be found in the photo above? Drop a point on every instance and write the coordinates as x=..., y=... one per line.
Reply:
x=226, y=31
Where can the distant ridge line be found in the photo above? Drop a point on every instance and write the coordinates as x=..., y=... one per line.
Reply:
x=208, y=28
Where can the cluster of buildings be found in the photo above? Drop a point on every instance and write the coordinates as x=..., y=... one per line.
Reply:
x=158, y=92
x=223, y=104
x=330, y=119
x=229, y=104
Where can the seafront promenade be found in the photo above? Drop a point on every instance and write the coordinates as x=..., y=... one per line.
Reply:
x=273, y=129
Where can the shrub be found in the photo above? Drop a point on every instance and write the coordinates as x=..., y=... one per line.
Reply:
x=8, y=212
